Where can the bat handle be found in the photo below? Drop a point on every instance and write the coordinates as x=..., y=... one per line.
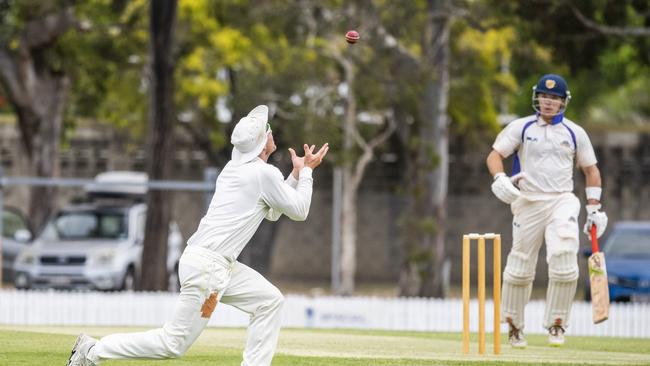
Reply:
x=594, y=240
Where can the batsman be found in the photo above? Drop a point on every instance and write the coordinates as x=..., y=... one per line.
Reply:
x=546, y=147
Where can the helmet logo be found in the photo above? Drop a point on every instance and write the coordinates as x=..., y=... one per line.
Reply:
x=550, y=83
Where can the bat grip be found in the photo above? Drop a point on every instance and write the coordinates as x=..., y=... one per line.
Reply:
x=594, y=240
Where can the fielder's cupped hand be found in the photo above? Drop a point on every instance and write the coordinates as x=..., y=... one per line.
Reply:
x=313, y=160
x=504, y=187
x=298, y=162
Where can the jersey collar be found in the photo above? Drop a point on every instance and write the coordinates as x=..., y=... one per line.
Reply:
x=556, y=119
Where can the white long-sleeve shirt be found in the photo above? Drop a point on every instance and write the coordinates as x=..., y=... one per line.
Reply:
x=245, y=194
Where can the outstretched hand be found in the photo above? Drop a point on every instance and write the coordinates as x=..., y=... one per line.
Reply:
x=313, y=160
x=298, y=163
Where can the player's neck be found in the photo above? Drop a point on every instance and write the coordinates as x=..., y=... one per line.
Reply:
x=547, y=120
x=264, y=156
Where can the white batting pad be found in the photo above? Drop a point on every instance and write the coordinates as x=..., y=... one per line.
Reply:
x=563, y=280
x=563, y=267
x=514, y=299
x=520, y=268
x=517, y=284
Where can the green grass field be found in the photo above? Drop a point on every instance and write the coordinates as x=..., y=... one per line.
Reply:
x=51, y=346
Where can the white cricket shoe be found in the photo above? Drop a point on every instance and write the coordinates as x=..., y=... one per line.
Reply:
x=516, y=336
x=556, y=335
x=80, y=350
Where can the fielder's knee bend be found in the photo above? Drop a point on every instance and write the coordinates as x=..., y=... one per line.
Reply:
x=175, y=347
x=277, y=300
x=520, y=269
x=175, y=343
x=563, y=267
x=272, y=303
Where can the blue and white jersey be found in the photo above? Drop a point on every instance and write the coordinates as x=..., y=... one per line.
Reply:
x=546, y=153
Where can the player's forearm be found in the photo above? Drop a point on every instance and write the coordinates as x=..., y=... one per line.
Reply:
x=592, y=180
x=494, y=163
x=293, y=202
x=292, y=180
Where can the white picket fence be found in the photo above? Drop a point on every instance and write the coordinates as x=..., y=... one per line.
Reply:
x=412, y=314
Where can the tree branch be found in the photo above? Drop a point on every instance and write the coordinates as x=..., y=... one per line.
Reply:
x=369, y=150
x=382, y=137
x=44, y=31
x=8, y=75
x=610, y=30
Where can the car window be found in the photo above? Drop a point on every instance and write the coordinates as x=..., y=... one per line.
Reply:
x=86, y=225
x=11, y=222
x=629, y=243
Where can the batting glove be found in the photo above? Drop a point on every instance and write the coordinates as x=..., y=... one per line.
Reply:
x=595, y=217
x=504, y=187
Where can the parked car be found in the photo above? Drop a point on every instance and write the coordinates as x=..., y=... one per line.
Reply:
x=93, y=245
x=627, y=254
x=15, y=236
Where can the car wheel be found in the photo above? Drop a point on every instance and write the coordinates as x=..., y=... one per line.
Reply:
x=21, y=281
x=623, y=299
x=128, y=284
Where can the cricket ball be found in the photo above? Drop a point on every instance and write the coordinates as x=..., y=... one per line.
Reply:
x=352, y=36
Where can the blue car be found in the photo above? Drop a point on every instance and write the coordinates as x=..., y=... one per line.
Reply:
x=627, y=251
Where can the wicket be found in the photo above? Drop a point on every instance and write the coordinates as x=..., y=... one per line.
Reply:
x=496, y=240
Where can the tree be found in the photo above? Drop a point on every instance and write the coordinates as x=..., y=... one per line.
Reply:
x=161, y=128
x=36, y=86
x=424, y=76
x=353, y=168
x=435, y=140
x=428, y=176
x=431, y=102
x=349, y=85
x=599, y=46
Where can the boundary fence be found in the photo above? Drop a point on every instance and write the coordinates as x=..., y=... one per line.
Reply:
x=630, y=320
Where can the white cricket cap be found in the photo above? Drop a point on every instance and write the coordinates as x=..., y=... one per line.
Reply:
x=249, y=135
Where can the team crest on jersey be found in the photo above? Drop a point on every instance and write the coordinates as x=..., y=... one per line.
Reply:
x=566, y=144
x=550, y=83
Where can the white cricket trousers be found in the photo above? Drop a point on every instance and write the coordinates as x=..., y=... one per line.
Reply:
x=203, y=272
x=554, y=221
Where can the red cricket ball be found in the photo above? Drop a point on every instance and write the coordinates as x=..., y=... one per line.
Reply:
x=352, y=36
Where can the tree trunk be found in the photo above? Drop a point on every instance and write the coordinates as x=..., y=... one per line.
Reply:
x=46, y=146
x=160, y=159
x=422, y=269
x=353, y=171
x=435, y=110
x=348, y=232
x=37, y=92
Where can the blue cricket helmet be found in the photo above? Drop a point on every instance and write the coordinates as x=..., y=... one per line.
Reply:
x=555, y=85
x=552, y=84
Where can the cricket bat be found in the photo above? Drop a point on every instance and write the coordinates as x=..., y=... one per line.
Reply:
x=598, y=280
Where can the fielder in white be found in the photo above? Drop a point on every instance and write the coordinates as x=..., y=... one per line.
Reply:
x=540, y=194
x=248, y=190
